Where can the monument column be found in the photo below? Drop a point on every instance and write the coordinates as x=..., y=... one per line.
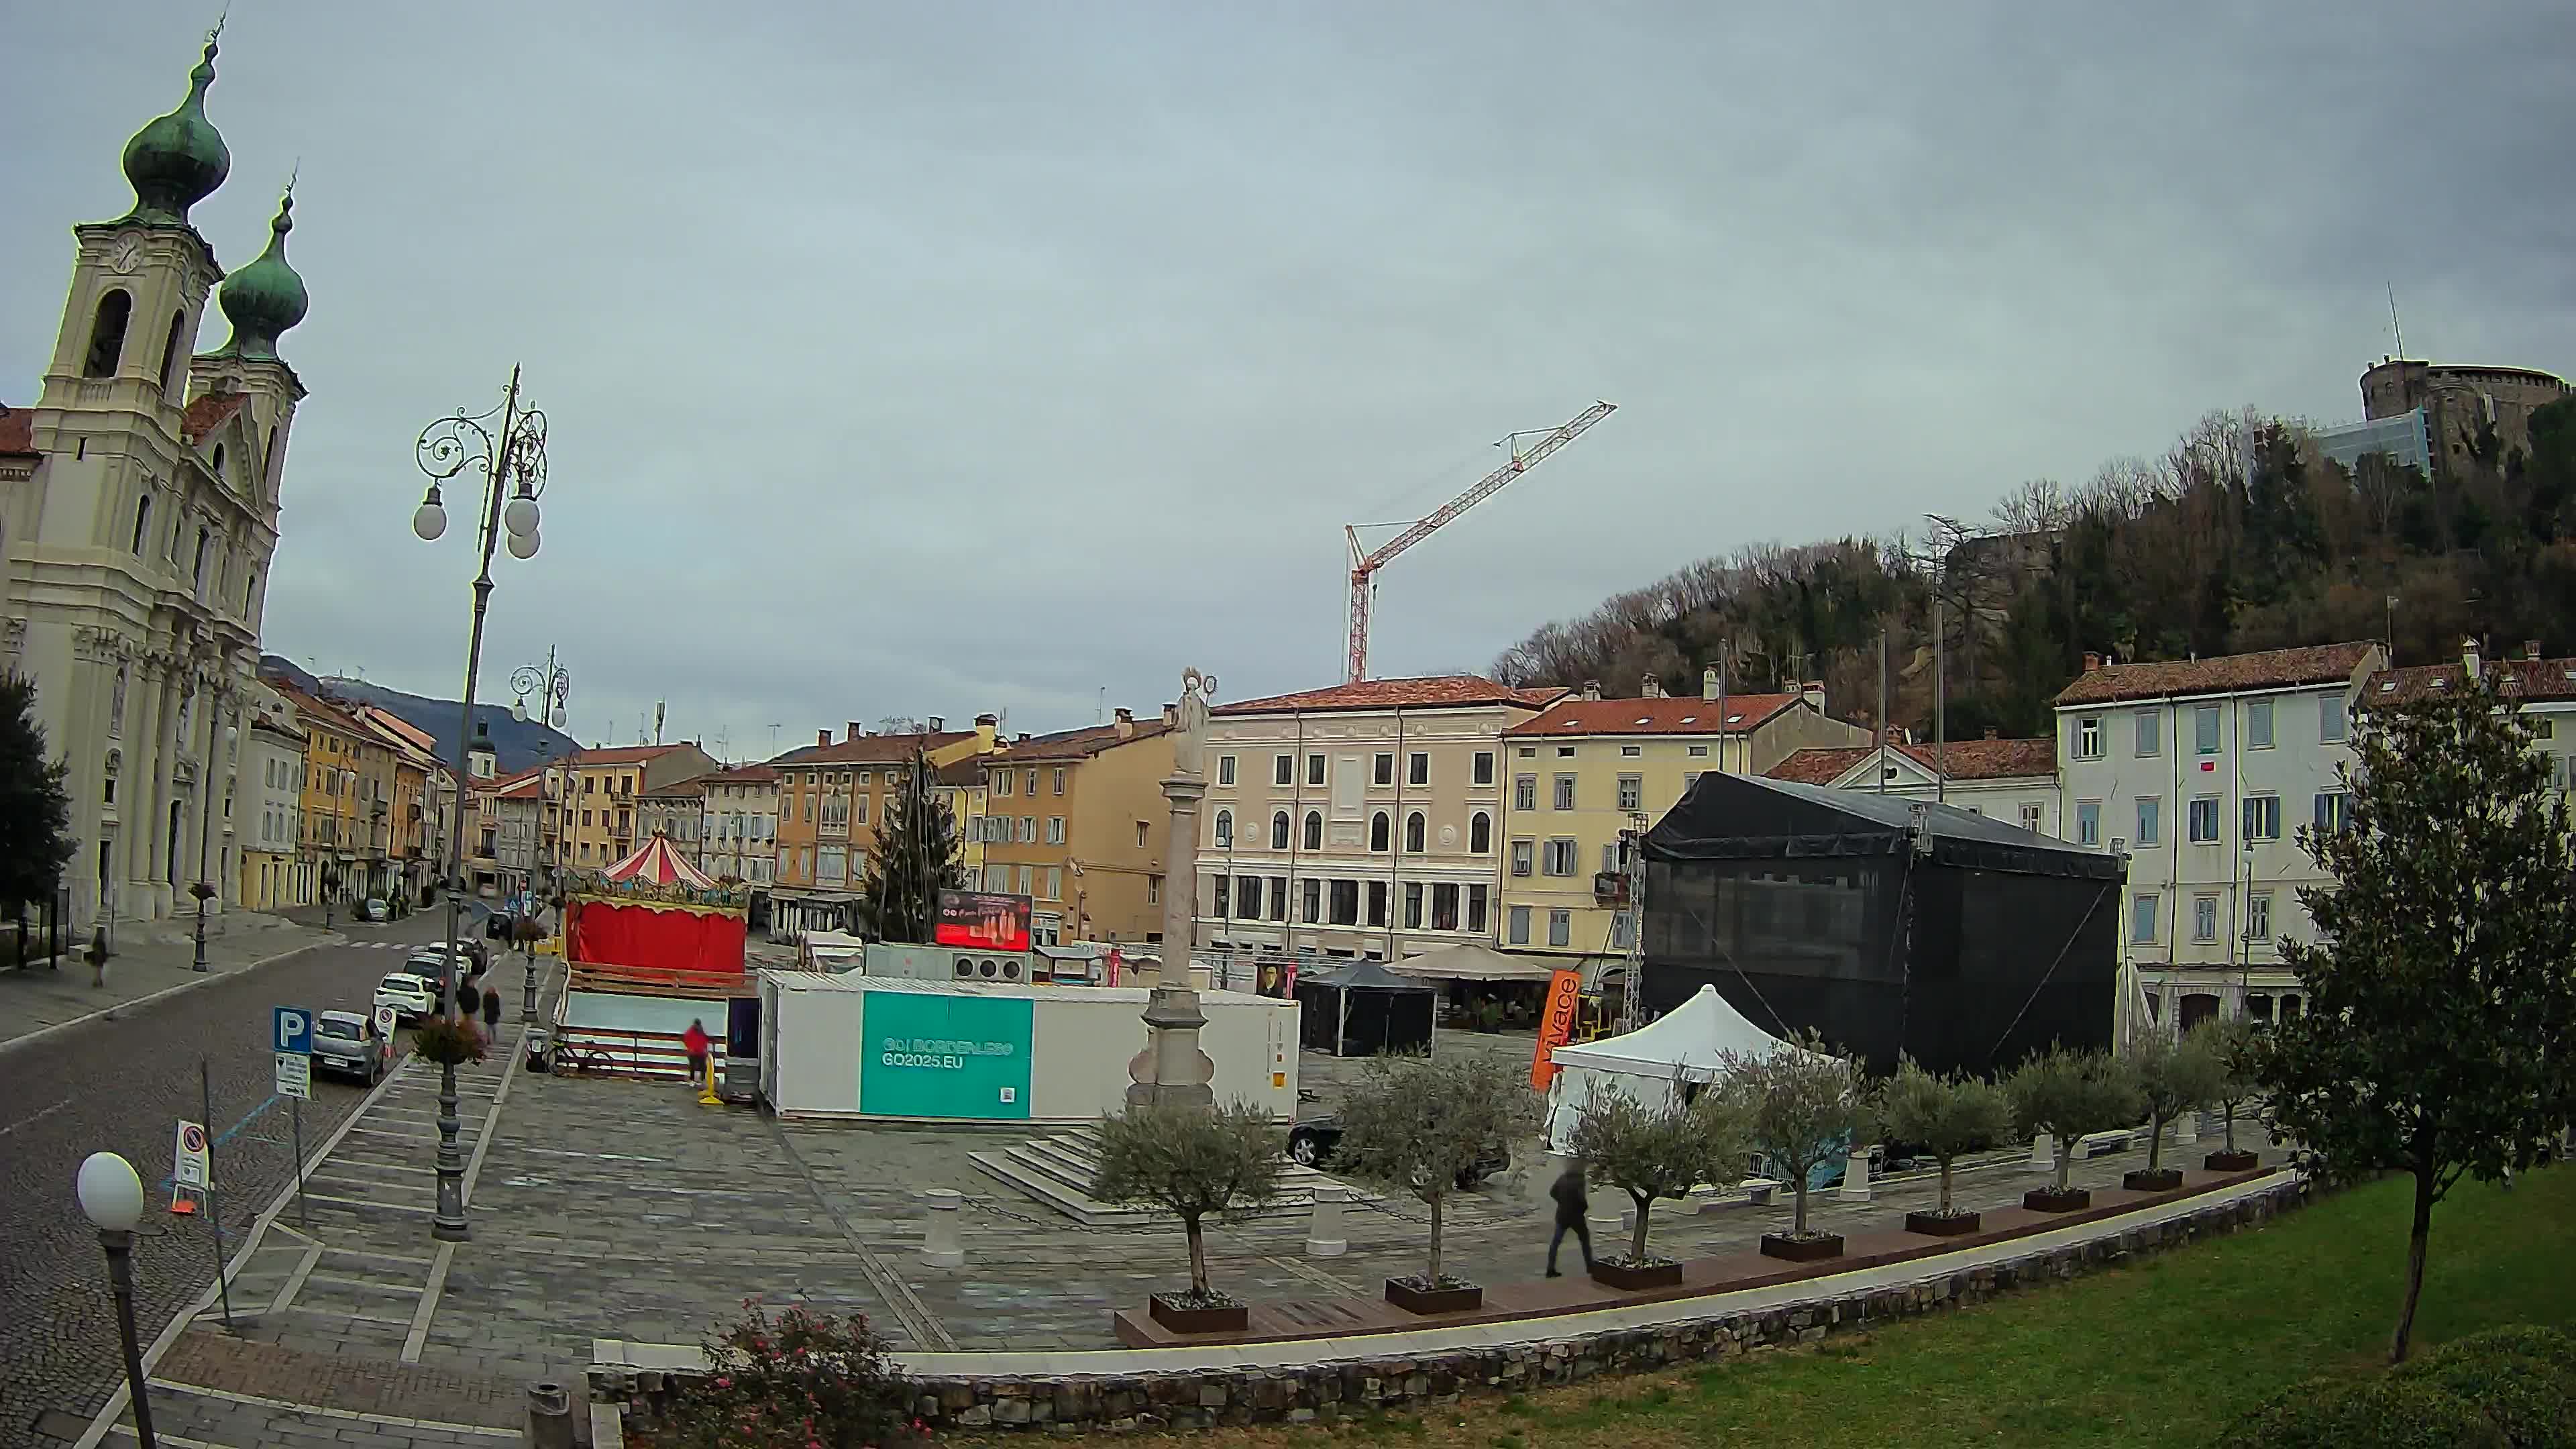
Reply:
x=1171, y=1070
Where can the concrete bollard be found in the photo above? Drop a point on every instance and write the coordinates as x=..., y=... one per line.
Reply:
x=940, y=1246
x=1325, y=1236
x=2043, y=1154
x=2187, y=1129
x=549, y=1416
x=1855, y=1186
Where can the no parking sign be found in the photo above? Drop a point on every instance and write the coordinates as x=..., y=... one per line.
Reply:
x=190, y=1168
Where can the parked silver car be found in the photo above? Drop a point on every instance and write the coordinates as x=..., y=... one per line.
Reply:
x=346, y=1043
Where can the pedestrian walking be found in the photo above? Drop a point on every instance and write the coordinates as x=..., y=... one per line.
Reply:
x=492, y=1010
x=1571, y=1205
x=467, y=1003
x=695, y=1039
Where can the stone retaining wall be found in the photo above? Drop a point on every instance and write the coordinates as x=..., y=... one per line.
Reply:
x=1328, y=1390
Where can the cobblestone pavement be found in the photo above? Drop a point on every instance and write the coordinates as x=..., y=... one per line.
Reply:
x=122, y=1085
x=616, y=1209
x=147, y=960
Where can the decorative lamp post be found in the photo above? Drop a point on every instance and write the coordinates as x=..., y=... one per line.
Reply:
x=513, y=464
x=111, y=1196
x=1171, y=1070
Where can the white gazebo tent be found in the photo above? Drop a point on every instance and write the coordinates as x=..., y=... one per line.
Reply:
x=1684, y=1045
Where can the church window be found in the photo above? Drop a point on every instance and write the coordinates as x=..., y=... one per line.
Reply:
x=142, y=521
x=107, y=333
x=170, y=351
x=205, y=538
x=219, y=463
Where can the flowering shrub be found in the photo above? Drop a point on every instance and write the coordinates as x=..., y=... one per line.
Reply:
x=799, y=1380
x=449, y=1041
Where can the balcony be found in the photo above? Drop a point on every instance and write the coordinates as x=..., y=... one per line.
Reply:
x=1609, y=888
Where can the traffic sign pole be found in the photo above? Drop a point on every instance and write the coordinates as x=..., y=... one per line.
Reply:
x=295, y=1114
x=214, y=1204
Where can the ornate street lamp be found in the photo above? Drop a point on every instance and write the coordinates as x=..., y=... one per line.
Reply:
x=512, y=460
x=111, y=1197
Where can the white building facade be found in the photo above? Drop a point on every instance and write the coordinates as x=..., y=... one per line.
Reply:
x=138, y=513
x=739, y=831
x=2202, y=772
x=2014, y=781
x=270, y=808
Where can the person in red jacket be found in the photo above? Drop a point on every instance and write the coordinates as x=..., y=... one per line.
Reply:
x=695, y=1039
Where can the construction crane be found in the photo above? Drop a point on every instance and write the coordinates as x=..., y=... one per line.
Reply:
x=1364, y=566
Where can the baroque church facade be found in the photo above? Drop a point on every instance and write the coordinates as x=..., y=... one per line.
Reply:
x=138, y=516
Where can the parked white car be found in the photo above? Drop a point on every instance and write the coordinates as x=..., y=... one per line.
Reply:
x=411, y=998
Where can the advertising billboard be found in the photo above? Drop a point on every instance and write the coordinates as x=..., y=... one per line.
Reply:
x=983, y=922
x=934, y=1055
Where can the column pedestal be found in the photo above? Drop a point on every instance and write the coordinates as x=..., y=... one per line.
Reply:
x=1171, y=1070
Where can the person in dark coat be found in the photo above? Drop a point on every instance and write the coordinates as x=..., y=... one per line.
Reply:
x=1571, y=1205
x=491, y=1010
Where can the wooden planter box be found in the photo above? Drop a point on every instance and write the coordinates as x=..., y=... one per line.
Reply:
x=2231, y=1162
x=1802, y=1250
x=1936, y=1225
x=1636, y=1276
x=1188, y=1318
x=2050, y=1200
x=2163, y=1179
x=1464, y=1299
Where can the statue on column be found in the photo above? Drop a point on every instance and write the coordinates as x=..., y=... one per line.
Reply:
x=1189, y=742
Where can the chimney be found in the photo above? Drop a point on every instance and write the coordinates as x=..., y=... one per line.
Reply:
x=1171, y=716
x=1592, y=689
x=855, y=731
x=2469, y=660
x=1126, y=724
x=938, y=724
x=1708, y=686
x=2530, y=648
x=1023, y=739
x=1991, y=732
x=1813, y=692
x=822, y=737
x=988, y=732
x=2092, y=662
x=1654, y=687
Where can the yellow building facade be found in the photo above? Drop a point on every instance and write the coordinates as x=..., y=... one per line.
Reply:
x=1077, y=822
x=598, y=805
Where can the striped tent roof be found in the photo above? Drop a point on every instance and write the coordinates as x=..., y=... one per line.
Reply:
x=656, y=863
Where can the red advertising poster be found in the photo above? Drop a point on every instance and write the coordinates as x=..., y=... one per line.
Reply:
x=1564, y=998
x=1116, y=961
x=982, y=922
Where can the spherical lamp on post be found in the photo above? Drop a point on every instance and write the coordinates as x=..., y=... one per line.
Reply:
x=111, y=1197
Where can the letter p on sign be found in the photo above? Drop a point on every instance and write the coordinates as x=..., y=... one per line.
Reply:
x=294, y=1032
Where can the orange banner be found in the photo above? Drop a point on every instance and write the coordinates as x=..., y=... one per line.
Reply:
x=1564, y=997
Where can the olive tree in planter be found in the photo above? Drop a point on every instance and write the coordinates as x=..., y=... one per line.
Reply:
x=2174, y=1075
x=2069, y=1095
x=1421, y=1126
x=1801, y=1105
x=1195, y=1165
x=2231, y=1045
x=1947, y=1117
x=1656, y=1152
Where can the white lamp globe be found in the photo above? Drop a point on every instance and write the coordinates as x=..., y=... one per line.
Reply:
x=523, y=545
x=521, y=515
x=429, y=521
x=110, y=1194
x=519, y=711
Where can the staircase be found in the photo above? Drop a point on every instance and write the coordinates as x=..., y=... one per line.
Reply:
x=1058, y=1172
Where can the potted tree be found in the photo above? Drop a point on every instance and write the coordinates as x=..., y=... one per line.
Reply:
x=2069, y=1095
x=1946, y=1117
x=1801, y=1105
x=1195, y=1165
x=1656, y=1152
x=2174, y=1075
x=1420, y=1126
x=2233, y=1045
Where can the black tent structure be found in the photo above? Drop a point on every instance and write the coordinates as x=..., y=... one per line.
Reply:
x=1364, y=1009
x=1887, y=925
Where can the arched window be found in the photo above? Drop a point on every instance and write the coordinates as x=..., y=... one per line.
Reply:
x=170, y=351
x=1314, y=830
x=1413, y=832
x=142, y=520
x=1377, y=831
x=205, y=540
x=1279, y=831
x=1480, y=833
x=1225, y=830
x=107, y=334
x=218, y=469
x=268, y=456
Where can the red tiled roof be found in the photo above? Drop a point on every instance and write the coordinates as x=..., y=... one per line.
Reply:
x=1079, y=744
x=17, y=430
x=743, y=775
x=210, y=412
x=2522, y=678
x=620, y=755
x=694, y=785
x=967, y=772
x=2225, y=674
x=1669, y=716
x=872, y=749
x=329, y=715
x=1438, y=691
x=1967, y=760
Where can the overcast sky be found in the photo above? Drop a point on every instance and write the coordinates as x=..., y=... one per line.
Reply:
x=954, y=357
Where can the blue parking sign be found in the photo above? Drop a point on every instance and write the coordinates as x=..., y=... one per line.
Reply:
x=294, y=1033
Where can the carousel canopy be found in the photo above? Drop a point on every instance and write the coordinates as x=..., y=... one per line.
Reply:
x=656, y=863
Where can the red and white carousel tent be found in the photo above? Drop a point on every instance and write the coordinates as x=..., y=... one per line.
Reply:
x=656, y=863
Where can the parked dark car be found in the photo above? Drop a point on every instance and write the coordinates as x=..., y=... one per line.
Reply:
x=1312, y=1143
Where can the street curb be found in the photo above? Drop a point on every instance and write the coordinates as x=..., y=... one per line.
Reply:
x=42, y=1032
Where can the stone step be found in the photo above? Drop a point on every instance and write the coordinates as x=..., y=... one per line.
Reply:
x=1058, y=1171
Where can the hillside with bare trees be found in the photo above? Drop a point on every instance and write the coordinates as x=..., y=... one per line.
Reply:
x=2238, y=537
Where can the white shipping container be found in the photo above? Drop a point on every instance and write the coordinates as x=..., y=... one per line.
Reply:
x=867, y=1047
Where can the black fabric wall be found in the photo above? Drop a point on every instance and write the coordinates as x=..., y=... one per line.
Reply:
x=1378, y=1020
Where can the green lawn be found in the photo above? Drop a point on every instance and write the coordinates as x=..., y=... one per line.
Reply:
x=2161, y=1353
